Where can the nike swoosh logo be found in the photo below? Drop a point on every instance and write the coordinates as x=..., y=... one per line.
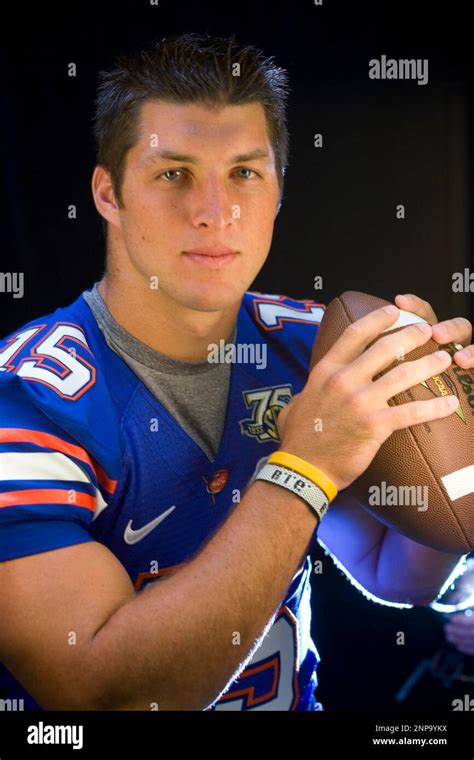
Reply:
x=131, y=536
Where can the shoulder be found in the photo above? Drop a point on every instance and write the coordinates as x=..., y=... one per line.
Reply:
x=274, y=312
x=58, y=371
x=288, y=325
x=62, y=392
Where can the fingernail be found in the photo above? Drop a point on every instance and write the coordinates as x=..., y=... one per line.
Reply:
x=424, y=327
x=443, y=355
x=391, y=309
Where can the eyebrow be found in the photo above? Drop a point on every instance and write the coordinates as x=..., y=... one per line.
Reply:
x=171, y=155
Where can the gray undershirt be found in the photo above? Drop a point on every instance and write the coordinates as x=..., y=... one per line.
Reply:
x=195, y=393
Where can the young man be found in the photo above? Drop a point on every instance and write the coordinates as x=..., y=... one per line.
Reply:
x=144, y=566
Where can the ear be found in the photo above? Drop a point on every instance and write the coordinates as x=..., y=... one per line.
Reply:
x=104, y=196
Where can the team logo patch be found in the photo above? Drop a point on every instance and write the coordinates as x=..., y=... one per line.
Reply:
x=216, y=483
x=266, y=404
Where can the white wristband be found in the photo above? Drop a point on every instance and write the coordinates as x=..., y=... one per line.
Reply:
x=297, y=484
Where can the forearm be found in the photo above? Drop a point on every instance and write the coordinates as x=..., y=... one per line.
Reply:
x=180, y=642
x=410, y=572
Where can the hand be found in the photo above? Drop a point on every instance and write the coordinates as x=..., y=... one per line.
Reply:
x=460, y=631
x=355, y=417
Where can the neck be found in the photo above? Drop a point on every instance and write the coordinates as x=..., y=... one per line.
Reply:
x=165, y=325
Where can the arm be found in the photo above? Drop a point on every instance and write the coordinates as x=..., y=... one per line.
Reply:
x=459, y=628
x=77, y=636
x=384, y=563
x=408, y=569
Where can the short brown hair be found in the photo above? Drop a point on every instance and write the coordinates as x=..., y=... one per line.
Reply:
x=186, y=68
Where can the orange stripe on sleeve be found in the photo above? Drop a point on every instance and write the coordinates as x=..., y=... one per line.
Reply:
x=49, y=441
x=47, y=496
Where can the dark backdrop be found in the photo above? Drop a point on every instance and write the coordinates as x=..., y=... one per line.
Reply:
x=385, y=143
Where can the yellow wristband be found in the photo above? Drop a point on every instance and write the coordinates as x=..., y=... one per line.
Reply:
x=309, y=471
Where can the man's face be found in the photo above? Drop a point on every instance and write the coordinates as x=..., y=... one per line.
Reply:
x=214, y=198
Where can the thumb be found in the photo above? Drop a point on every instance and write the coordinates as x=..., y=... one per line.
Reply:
x=282, y=415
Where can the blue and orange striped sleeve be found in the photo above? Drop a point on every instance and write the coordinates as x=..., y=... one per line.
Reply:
x=50, y=487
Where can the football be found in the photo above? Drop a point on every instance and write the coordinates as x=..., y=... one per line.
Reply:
x=421, y=481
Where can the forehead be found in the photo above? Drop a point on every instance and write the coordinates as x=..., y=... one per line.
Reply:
x=192, y=124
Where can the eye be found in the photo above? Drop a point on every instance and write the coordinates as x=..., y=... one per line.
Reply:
x=176, y=172
x=169, y=171
x=245, y=169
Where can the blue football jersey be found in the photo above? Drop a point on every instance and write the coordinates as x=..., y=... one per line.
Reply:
x=87, y=453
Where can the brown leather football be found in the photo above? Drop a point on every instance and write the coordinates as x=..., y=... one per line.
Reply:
x=421, y=481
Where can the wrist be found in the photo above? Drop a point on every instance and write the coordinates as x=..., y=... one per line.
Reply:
x=305, y=465
x=301, y=478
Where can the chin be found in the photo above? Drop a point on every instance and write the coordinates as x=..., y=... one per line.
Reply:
x=217, y=298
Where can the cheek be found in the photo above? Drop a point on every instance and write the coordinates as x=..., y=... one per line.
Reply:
x=150, y=221
x=262, y=213
x=262, y=233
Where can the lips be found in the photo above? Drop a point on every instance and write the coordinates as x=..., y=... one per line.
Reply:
x=212, y=258
x=212, y=251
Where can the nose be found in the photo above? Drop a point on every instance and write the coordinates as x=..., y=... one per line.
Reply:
x=212, y=205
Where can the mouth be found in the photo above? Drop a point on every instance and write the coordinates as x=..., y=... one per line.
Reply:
x=214, y=260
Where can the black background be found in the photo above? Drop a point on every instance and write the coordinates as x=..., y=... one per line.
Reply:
x=385, y=142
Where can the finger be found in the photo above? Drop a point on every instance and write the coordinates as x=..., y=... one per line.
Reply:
x=464, y=648
x=461, y=638
x=409, y=374
x=466, y=640
x=465, y=357
x=460, y=621
x=456, y=330
x=410, y=302
x=388, y=348
x=416, y=412
x=460, y=633
x=355, y=338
